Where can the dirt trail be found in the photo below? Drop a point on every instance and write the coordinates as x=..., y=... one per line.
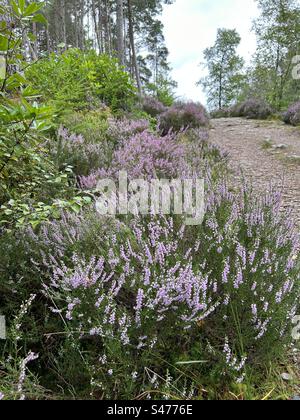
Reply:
x=267, y=152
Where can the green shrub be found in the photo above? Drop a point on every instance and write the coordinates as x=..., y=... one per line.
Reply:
x=29, y=181
x=92, y=125
x=78, y=80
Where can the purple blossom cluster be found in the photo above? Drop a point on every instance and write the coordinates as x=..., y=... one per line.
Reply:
x=151, y=156
x=255, y=249
x=87, y=157
x=292, y=115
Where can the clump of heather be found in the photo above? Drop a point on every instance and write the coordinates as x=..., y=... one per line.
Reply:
x=252, y=108
x=182, y=116
x=251, y=249
x=77, y=151
x=152, y=106
x=133, y=302
x=121, y=130
x=83, y=234
x=86, y=156
x=292, y=115
x=150, y=156
x=229, y=286
x=145, y=155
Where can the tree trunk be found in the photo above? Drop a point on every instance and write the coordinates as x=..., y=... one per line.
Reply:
x=96, y=24
x=106, y=26
x=133, y=51
x=120, y=32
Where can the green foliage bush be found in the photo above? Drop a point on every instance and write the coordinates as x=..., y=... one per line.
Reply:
x=91, y=124
x=78, y=80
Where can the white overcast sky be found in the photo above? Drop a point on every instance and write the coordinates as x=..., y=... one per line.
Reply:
x=191, y=26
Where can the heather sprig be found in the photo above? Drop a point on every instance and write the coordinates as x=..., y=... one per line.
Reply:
x=121, y=130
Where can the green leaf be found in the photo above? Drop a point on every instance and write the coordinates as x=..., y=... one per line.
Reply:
x=31, y=9
x=3, y=43
x=76, y=208
x=15, y=7
x=40, y=19
x=8, y=212
x=22, y=6
x=34, y=223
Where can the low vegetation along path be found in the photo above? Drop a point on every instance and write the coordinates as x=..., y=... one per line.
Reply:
x=267, y=152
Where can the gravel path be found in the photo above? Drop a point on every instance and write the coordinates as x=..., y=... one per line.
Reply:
x=266, y=151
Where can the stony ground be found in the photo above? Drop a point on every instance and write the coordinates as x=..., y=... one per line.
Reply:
x=267, y=152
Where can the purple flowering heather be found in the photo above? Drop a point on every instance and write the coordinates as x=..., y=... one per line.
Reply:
x=151, y=156
x=144, y=155
x=146, y=281
x=183, y=116
x=120, y=131
x=165, y=289
x=22, y=376
x=292, y=115
x=153, y=106
x=260, y=281
x=78, y=152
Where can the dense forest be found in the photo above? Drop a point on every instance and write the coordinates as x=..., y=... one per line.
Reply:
x=184, y=298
